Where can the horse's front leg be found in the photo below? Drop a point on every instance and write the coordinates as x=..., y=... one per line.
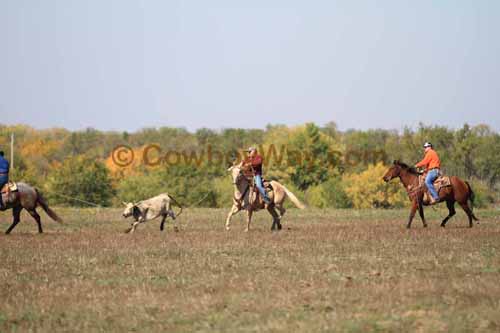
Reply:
x=421, y=213
x=233, y=211
x=249, y=219
x=16, y=214
x=413, y=211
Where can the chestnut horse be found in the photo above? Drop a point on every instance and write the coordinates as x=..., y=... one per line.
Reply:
x=459, y=191
x=26, y=197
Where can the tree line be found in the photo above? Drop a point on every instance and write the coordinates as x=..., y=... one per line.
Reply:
x=326, y=166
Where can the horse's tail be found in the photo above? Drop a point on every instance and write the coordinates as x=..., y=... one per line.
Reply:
x=41, y=201
x=176, y=203
x=472, y=196
x=293, y=198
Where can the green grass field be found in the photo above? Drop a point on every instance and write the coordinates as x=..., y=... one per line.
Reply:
x=328, y=270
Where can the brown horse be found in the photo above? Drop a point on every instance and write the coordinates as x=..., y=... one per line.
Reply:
x=459, y=191
x=26, y=197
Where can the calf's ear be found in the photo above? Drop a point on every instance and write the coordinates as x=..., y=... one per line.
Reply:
x=124, y=203
x=230, y=168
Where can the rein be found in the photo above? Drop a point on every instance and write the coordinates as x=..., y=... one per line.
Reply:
x=412, y=190
x=244, y=192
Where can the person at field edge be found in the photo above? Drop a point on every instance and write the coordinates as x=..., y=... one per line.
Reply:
x=254, y=160
x=4, y=174
x=432, y=164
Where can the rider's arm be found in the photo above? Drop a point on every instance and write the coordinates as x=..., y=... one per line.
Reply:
x=424, y=162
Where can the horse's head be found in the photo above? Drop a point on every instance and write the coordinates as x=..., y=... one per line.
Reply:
x=236, y=173
x=130, y=209
x=393, y=172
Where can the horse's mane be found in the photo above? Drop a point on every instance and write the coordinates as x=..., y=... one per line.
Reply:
x=408, y=168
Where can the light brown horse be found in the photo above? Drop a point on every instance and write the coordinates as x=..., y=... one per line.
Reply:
x=26, y=197
x=459, y=191
x=245, y=198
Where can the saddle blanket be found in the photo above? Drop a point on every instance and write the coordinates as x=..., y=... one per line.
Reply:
x=9, y=187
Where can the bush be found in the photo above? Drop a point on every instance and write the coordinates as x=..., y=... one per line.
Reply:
x=78, y=180
x=139, y=187
x=368, y=190
x=224, y=190
x=329, y=194
x=483, y=196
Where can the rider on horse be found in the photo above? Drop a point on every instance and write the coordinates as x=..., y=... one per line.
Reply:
x=432, y=164
x=254, y=162
x=4, y=174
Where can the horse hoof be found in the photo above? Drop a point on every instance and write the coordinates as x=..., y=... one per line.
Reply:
x=425, y=225
x=442, y=225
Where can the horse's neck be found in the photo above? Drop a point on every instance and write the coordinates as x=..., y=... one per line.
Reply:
x=408, y=179
x=241, y=187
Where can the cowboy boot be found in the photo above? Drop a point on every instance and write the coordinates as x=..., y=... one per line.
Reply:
x=433, y=201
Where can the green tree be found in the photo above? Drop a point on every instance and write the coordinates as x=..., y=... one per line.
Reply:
x=312, y=162
x=82, y=178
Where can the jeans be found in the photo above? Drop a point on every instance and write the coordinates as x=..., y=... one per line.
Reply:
x=4, y=179
x=429, y=180
x=260, y=186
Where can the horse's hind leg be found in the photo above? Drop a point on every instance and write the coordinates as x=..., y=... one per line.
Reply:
x=35, y=215
x=468, y=211
x=16, y=214
x=282, y=210
x=451, y=211
x=276, y=218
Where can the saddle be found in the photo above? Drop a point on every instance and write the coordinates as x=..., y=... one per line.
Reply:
x=255, y=194
x=440, y=182
x=9, y=187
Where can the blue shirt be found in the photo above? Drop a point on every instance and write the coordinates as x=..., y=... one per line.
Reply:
x=4, y=165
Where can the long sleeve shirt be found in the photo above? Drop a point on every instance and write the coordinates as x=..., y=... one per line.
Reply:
x=430, y=161
x=256, y=163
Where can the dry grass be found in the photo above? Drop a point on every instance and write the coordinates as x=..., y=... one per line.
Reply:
x=351, y=271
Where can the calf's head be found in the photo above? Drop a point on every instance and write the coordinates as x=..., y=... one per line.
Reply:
x=130, y=209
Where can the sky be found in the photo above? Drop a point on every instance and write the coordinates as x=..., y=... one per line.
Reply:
x=124, y=65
